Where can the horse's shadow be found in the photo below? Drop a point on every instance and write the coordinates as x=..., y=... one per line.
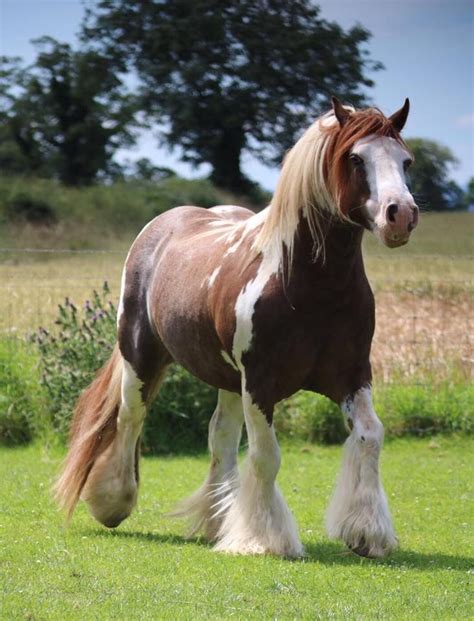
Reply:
x=152, y=537
x=325, y=552
x=330, y=553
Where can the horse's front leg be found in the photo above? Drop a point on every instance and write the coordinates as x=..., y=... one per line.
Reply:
x=358, y=513
x=259, y=520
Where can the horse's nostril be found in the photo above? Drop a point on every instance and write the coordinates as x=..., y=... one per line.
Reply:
x=391, y=211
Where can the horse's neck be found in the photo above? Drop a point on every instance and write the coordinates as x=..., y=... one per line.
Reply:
x=339, y=258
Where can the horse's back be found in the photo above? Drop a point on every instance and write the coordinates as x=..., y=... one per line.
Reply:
x=188, y=219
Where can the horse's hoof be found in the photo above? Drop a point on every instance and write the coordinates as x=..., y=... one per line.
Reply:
x=362, y=549
x=114, y=522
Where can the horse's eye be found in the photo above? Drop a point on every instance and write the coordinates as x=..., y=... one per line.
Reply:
x=407, y=164
x=356, y=160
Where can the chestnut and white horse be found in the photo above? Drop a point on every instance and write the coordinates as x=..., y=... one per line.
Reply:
x=260, y=306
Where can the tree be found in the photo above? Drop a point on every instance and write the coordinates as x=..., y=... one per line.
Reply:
x=143, y=169
x=229, y=77
x=469, y=197
x=429, y=176
x=64, y=116
x=19, y=150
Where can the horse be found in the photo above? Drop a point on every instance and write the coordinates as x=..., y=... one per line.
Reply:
x=259, y=305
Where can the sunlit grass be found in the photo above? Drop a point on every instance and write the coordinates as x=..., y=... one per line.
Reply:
x=146, y=570
x=437, y=262
x=32, y=285
x=438, y=257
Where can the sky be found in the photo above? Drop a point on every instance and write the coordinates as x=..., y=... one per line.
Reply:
x=426, y=46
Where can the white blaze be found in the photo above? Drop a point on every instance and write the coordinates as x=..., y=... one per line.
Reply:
x=383, y=162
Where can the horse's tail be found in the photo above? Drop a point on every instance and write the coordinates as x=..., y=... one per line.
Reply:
x=93, y=428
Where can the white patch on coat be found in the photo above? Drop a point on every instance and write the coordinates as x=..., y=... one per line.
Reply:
x=220, y=222
x=229, y=360
x=122, y=293
x=258, y=520
x=246, y=300
x=223, y=210
x=383, y=162
x=132, y=410
x=358, y=513
x=213, y=276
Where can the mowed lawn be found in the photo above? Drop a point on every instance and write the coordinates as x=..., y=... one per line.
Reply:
x=146, y=570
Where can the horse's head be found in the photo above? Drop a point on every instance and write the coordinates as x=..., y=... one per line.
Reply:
x=368, y=161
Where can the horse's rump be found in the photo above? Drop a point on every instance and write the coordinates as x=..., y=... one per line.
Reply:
x=182, y=277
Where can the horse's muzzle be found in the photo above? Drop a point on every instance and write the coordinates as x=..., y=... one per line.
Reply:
x=398, y=223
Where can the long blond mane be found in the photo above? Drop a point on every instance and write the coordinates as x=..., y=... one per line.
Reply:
x=301, y=191
x=313, y=178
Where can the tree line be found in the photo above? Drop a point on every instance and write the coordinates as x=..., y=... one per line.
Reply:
x=220, y=80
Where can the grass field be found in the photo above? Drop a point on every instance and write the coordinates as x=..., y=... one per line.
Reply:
x=146, y=570
x=424, y=293
x=438, y=261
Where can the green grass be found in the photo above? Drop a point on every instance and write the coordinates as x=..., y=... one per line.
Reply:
x=438, y=257
x=97, y=214
x=146, y=570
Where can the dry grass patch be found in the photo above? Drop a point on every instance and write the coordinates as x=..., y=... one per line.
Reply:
x=422, y=336
x=33, y=284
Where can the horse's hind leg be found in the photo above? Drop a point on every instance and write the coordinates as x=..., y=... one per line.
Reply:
x=206, y=508
x=358, y=513
x=111, y=488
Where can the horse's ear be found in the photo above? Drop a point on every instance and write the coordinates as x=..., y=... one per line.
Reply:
x=399, y=118
x=342, y=115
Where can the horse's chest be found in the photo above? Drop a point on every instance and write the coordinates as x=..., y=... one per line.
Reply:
x=320, y=347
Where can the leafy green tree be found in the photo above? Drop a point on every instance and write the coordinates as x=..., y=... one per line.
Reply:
x=64, y=116
x=429, y=176
x=143, y=169
x=19, y=150
x=227, y=77
x=469, y=197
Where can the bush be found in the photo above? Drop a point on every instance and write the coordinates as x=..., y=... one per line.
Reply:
x=90, y=216
x=81, y=344
x=83, y=340
x=71, y=354
x=405, y=409
x=25, y=208
x=312, y=418
x=23, y=404
x=426, y=408
x=178, y=419
x=175, y=191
